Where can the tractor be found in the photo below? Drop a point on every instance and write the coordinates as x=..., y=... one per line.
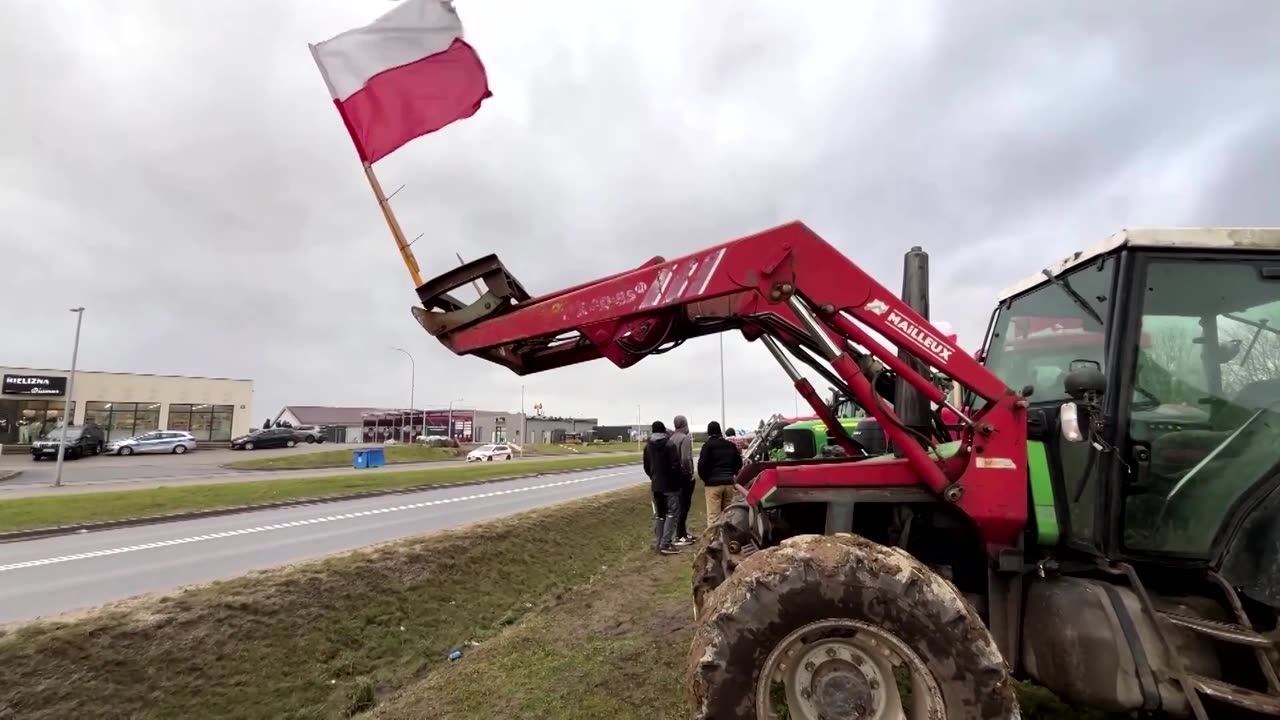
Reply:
x=1100, y=514
x=807, y=437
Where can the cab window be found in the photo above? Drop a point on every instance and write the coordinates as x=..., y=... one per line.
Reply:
x=1034, y=341
x=1206, y=399
x=1038, y=335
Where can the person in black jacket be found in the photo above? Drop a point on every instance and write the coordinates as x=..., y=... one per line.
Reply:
x=662, y=465
x=718, y=464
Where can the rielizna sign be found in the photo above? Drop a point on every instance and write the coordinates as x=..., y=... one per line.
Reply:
x=34, y=385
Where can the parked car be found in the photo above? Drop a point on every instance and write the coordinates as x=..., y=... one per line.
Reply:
x=81, y=440
x=488, y=453
x=160, y=441
x=271, y=438
x=310, y=433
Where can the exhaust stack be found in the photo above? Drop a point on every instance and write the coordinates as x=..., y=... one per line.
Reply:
x=909, y=404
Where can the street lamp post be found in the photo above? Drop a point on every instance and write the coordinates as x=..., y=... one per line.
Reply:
x=722, y=413
x=413, y=377
x=66, y=406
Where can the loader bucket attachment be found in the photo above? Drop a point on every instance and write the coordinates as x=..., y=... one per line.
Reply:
x=442, y=313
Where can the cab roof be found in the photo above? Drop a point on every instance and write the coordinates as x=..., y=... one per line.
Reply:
x=1208, y=238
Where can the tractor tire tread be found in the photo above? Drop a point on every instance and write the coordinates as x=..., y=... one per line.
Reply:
x=814, y=577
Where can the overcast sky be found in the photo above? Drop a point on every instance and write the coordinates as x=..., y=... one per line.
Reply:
x=178, y=168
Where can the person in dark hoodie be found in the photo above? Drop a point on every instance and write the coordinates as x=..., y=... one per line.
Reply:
x=662, y=465
x=718, y=464
x=683, y=442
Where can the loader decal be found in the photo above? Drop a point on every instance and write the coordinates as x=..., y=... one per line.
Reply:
x=675, y=282
x=877, y=306
x=920, y=336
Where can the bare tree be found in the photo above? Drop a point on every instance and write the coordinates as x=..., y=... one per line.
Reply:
x=1258, y=357
x=1168, y=365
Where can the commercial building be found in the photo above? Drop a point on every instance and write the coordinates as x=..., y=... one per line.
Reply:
x=466, y=425
x=123, y=404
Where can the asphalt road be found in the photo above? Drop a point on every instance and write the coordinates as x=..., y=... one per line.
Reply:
x=96, y=474
x=54, y=575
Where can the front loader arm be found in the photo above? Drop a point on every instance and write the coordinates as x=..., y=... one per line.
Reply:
x=745, y=283
x=788, y=288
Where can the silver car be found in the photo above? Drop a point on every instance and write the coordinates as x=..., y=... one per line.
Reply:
x=160, y=441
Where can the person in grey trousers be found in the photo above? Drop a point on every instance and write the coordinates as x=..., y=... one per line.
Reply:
x=662, y=465
x=683, y=443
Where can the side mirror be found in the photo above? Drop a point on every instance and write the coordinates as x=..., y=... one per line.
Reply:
x=1228, y=351
x=1069, y=422
x=1085, y=381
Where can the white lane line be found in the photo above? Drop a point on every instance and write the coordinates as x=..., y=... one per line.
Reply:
x=300, y=523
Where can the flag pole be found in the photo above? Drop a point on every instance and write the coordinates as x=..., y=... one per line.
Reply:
x=474, y=284
x=406, y=253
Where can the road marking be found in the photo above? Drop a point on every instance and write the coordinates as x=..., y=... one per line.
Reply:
x=300, y=523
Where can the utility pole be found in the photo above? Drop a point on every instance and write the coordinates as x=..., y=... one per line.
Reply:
x=66, y=406
x=723, y=422
x=413, y=377
x=524, y=424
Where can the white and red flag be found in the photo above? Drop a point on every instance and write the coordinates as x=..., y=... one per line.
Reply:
x=406, y=74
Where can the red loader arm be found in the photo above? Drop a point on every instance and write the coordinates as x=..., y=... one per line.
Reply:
x=788, y=287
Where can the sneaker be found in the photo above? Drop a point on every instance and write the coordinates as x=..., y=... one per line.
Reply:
x=682, y=541
x=668, y=550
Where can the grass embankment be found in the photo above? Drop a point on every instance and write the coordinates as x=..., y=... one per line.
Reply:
x=597, y=627
x=399, y=454
x=318, y=640
x=396, y=454
x=55, y=510
x=582, y=449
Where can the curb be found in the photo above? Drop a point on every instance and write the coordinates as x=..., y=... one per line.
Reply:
x=37, y=533
x=9, y=474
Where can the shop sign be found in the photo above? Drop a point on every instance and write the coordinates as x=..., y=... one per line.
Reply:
x=34, y=385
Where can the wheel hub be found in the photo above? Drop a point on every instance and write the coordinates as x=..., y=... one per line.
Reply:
x=839, y=682
x=846, y=669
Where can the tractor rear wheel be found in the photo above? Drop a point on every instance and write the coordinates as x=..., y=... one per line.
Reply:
x=841, y=627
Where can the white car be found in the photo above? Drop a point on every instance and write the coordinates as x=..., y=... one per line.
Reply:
x=161, y=441
x=489, y=453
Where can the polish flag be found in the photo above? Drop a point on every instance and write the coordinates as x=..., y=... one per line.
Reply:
x=406, y=74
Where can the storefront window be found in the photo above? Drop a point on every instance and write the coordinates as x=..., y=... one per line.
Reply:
x=120, y=420
x=147, y=419
x=205, y=422
x=98, y=413
x=8, y=422
x=121, y=426
x=221, y=426
x=180, y=418
x=201, y=422
x=23, y=421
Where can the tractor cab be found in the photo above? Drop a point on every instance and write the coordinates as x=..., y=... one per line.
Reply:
x=1152, y=368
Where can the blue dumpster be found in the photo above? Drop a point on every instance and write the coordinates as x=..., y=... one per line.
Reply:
x=370, y=457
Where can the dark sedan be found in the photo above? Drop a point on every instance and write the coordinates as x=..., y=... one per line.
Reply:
x=81, y=440
x=271, y=438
